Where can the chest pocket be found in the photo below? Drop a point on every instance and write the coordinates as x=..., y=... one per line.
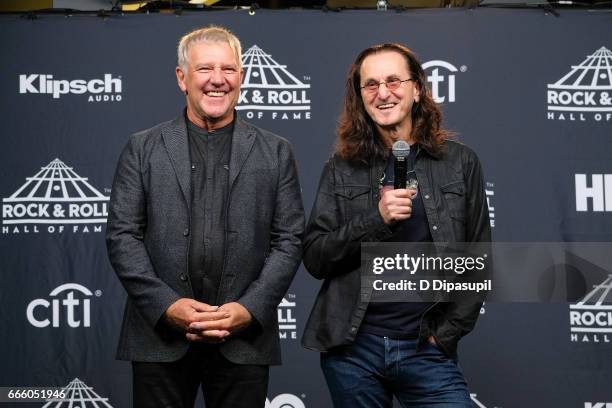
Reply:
x=454, y=197
x=352, y=199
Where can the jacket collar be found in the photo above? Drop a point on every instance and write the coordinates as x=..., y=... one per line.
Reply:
x=176, y=140
x=243, y=138
x=424, y=149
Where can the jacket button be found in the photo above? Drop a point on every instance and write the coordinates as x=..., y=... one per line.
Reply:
x=183, y=277
x=435, y=228
x=353, y=329
x=427, y=196
x=186, y=232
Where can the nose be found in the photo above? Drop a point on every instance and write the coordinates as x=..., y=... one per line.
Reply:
x=383, y=91
x=216, y=77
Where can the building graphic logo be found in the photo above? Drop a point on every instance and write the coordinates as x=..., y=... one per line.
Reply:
x=287, y=323
x=69, y=304
x=477, y=403
x=78, y=394
x=270, y=91
x=585, y=92
x=591, y=318
x=490, y=193
x=285, y=401
x=58, y=198
x=597, y=192
x=106, y=89
x=441, y=78
x=598, y=405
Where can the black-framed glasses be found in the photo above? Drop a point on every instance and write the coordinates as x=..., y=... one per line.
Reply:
x=391, y=84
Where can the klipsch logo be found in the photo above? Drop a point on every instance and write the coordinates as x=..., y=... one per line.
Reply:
x=591, y=318
x=597, y=191
x=287, y=323
x=68, y=304
x=106, y=89
x=285, y=401
x=585, y=92
x=441, y=78
x=58, y=198
x=78, y=394
x=269, y=90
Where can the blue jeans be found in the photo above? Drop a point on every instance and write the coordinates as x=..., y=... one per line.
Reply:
x=368, y=373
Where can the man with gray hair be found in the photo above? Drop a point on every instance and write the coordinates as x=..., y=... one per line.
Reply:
x=204, y=232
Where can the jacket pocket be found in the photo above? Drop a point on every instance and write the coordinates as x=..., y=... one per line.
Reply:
x=352, y=199
x=454, y=197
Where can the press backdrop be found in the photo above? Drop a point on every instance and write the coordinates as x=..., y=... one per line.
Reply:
x=528, y=91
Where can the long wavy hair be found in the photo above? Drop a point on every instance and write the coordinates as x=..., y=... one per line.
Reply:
x=358, y=139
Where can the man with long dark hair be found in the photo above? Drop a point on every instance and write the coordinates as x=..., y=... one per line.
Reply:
x=374, y=351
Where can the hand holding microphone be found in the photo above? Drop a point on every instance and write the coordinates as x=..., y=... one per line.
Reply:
x=396, y=204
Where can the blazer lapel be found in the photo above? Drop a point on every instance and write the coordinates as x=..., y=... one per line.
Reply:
x=242, y=143
x=177, y=145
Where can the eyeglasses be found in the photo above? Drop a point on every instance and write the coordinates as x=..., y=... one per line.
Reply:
x=391, y=84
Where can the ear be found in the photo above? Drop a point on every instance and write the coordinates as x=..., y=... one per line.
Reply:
x=417, y=93
x=241, y=75
x=180, y=78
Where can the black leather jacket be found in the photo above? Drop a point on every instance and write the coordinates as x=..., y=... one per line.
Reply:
x=345, y=213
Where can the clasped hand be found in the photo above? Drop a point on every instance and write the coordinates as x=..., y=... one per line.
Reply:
x=205, y=323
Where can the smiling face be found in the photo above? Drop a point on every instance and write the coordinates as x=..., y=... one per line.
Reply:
x=389, y=109
x=211, y=82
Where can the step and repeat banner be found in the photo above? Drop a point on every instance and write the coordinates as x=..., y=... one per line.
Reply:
x=530, y=92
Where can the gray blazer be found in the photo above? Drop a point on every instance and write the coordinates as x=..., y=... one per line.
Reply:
x=147, y=236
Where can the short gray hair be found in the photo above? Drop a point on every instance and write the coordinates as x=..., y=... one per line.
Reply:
x=213, y=34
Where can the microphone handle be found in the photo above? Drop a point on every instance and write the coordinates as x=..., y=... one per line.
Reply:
x=400, y=169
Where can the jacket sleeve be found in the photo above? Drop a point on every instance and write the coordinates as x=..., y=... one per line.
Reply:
x=265, y=293
x=332, y=246
x=460, y=317
x=125, y=230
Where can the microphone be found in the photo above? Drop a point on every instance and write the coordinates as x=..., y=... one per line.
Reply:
x=400, y=151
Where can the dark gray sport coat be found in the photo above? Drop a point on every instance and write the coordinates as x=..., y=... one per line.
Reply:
x=147, y=237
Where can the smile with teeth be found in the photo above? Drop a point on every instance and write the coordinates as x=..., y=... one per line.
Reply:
x=215, y=93
x=386, y=106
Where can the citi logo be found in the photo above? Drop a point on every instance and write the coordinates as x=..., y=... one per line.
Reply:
x=107, y=89
x=598, y=405
x=285, y=401
x=78, y=394
x=597, y=192
x=490, y=193
x=441, y=78
x=69, y=303
x=269, y=90
x=56, y=196
x=585, y=92
x=287, y=324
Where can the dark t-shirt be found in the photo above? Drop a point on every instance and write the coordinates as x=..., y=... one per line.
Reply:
x=400, y=320
x=210, y=155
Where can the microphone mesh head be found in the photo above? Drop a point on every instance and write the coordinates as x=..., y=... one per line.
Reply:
x=400, y=149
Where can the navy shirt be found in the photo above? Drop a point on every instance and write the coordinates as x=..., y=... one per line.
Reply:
x=400, y=320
